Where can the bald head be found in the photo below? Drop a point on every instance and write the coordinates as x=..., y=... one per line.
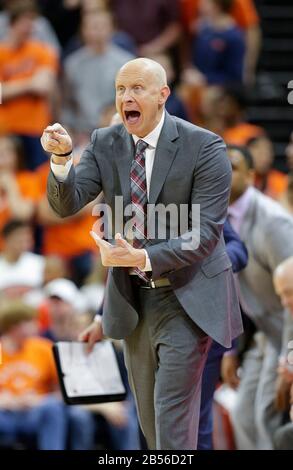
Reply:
x=141, y=93
x=283, y=282
x=147, y=66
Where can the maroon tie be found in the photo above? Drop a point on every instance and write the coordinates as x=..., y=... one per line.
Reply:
x=139, y=201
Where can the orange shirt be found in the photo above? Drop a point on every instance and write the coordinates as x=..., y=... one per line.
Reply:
x=70, y=238
x=243, y=12
x=31, y=370
x=241, y=133
x=275, y=186
x=28, y=114
x=28, y=186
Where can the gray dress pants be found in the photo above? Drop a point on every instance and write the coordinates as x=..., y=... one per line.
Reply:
x=165, y=357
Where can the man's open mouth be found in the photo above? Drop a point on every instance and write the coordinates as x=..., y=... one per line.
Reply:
x=132, y=117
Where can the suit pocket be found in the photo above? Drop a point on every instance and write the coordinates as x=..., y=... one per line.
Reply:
x=217, y=265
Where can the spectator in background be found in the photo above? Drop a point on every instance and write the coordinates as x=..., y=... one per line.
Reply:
x=174, y=104
x=65, y=302
x=255, y=217
x=269, y=181
x=246, y=17
x=118, y=38
x=153, y=24
x=87, y=93
x=283, y=282
x=19, y=188
x=218, y=46
x=29, y=406
x=27, y=73
x=230, y=107
x=20, y=269
x=42, y=30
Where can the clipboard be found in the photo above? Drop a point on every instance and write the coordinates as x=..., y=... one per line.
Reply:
x=88, y=378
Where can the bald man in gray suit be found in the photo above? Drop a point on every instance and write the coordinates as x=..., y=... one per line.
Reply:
x=164, y=299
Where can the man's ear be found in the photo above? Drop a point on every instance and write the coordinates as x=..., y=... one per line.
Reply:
x=165, y=93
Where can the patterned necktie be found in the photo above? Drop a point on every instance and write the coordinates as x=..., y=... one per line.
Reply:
x=139, y=201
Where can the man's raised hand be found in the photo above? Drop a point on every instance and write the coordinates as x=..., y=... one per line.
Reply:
x=56, y=140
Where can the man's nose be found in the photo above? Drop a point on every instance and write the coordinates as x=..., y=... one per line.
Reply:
x=127, y=97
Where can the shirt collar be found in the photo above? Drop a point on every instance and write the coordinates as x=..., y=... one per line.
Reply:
x=152, y=138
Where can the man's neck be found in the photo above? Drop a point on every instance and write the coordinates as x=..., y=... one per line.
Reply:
x=98, y=49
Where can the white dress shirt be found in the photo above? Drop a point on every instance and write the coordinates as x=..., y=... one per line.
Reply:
x=61, y=171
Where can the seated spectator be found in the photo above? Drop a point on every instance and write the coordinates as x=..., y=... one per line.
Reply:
x=155, y=27
x=65, y=302
x=230, y=108
x=218, y=45
x=283, y=282
x=269, y=181
x=174, y=104
x=29, y=405
x=27, y=73
x=42, y=29
x=88, y=93
x=19, y=188
x=20, y=269
x=246, y=17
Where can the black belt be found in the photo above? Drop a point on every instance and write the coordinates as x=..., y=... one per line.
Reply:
x=163, y=282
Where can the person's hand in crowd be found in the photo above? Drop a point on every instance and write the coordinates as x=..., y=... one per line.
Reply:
x=115, y=412
x=229, y=367
x=10, y=402
x=91, y=335
x=41, y=83
x=56, y=140
x=282, y=394
x=122, y=254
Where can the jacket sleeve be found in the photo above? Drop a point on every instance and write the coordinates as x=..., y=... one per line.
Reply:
x=82, y=185
x=210, y=191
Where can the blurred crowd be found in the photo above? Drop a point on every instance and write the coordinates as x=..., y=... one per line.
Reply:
x=58, y=62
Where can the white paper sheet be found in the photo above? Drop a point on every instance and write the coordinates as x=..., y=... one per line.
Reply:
x=91, y=374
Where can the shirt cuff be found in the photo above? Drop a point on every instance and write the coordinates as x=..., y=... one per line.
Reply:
x=61, y=171
x=98, y=318
x=147, y=266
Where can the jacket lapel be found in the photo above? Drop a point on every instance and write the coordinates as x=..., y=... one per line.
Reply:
x=124, y=153
x=165, y=153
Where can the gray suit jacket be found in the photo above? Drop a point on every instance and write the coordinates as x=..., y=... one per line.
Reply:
x=267, y=231
x=190, y=167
